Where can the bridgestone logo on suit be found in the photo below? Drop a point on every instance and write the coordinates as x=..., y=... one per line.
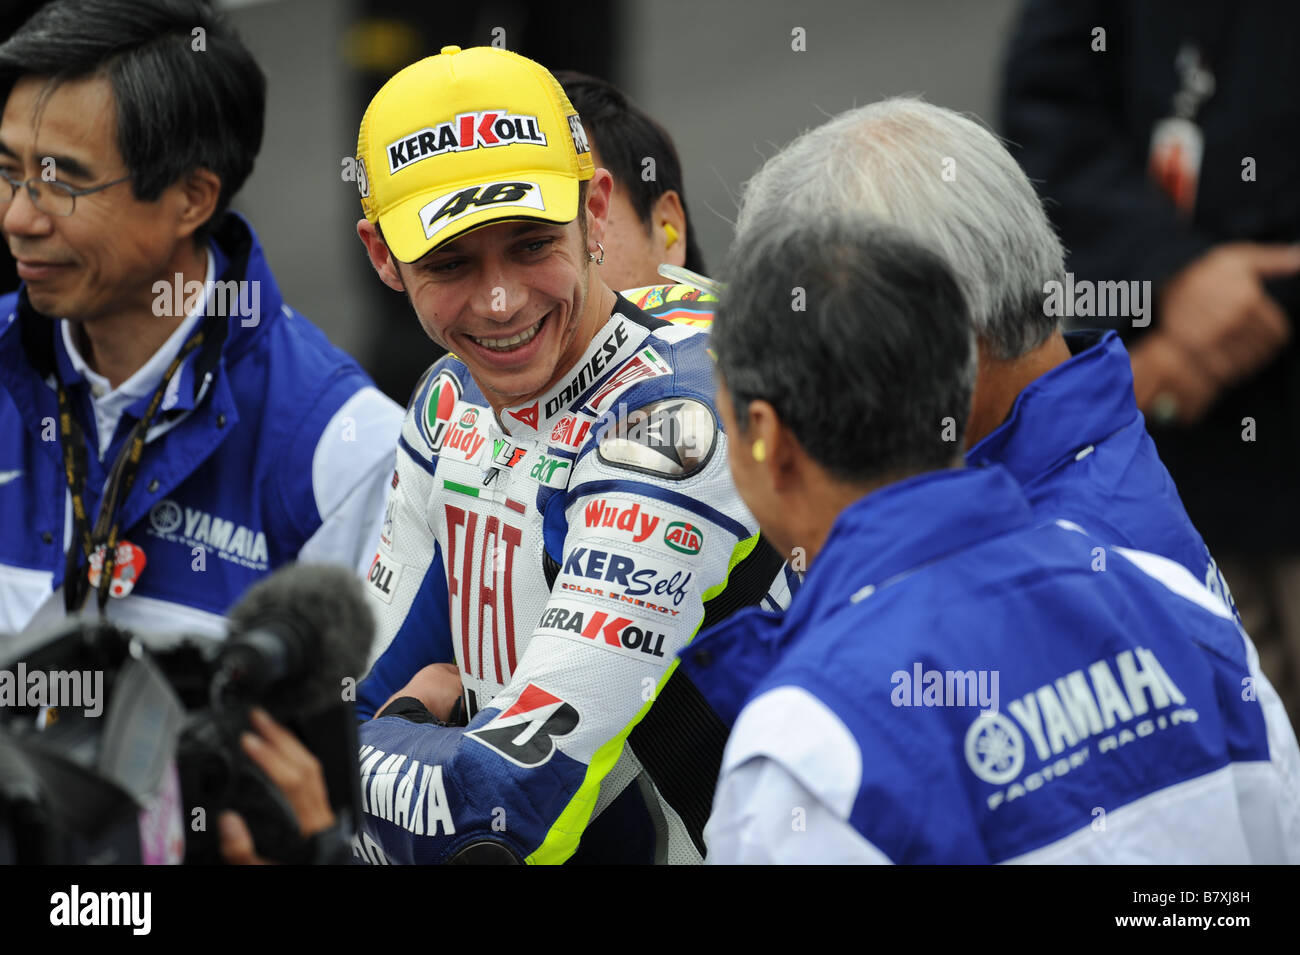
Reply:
x=525, y=732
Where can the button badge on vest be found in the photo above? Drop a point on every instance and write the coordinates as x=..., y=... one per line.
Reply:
x=126, y=569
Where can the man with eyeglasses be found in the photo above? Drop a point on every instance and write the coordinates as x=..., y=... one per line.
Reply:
x=170, y=430
x=50, y=196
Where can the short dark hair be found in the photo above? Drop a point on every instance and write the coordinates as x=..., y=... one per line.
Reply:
x=857, y=336
x=178, y=108
x=625, y=136
x=582, y=209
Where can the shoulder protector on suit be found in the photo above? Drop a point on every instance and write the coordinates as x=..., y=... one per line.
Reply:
x=671, y=437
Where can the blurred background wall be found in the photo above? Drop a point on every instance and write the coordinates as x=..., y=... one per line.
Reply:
x=724, y=80
x=721, y=75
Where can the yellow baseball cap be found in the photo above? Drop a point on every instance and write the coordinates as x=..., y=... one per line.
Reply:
x=464, y=139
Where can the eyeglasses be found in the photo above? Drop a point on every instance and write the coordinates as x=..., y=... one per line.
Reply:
x=52, y=198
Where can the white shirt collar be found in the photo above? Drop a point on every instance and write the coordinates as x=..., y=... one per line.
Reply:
x=109, y=403
x=148, y=375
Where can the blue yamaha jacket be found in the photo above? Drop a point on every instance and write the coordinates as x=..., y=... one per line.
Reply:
x=1079, y=447
x=957, y=681
x=274, y=446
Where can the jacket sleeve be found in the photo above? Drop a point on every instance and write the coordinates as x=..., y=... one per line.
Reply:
x=350, y=469
x=763, y=815
x=1258, y=734
x=643, y=553
x=1062, y=108
x=1275, y=836
x=790, y=778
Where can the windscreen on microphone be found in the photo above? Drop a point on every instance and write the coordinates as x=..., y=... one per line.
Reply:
x=295, y=636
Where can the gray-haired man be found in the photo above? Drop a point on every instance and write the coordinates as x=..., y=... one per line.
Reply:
x=923, y=573
x=1056, y=410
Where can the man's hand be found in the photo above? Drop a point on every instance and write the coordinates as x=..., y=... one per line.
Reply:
x=1167, y=383
x=1217, y=325
x=1217, y=310
x=437, y=686
x=292, y=768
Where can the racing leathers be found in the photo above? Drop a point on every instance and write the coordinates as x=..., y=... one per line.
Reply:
x=680, y=304
x=560, y=556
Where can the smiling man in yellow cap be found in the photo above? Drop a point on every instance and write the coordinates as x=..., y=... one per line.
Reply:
x=469, y=164
x=562, y=518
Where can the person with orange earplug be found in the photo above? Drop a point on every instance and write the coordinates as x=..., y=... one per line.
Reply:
x=649, y=233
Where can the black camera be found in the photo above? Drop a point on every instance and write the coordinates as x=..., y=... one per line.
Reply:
x=124, y=748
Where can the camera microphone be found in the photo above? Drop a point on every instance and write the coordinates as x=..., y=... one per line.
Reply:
x=294, y=637
x=298, y=642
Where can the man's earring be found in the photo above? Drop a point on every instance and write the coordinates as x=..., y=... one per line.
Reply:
x=592, y=255
x=760, y=450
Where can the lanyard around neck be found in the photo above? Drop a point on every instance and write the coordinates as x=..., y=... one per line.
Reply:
x=76, y=583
